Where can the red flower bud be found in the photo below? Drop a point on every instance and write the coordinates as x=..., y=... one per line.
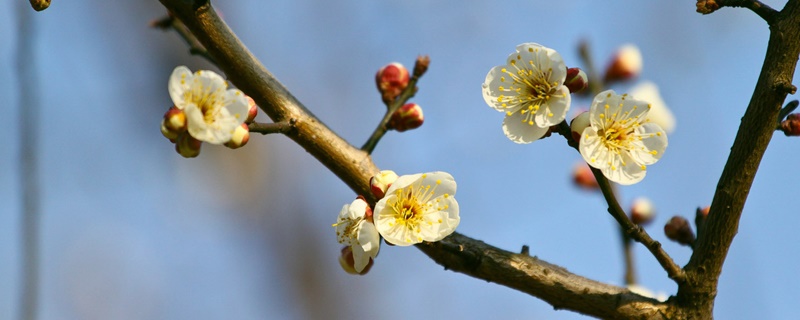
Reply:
x=240, y=137
x=391, y=80
x=791, y=126
x=253, y=111
x=583, y=177
x=642, y=211
x=348, y=263
x=577, y=80
x=409, y=116
x=626, y=64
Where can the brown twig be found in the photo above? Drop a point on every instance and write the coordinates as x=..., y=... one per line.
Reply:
x=267, y=128
x=762, y=10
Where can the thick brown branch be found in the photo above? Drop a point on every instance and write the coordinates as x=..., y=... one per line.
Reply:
x=528, y=274
x=551, y=283
x=755, y=132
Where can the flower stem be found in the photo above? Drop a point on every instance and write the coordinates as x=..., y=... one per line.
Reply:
x=398, y=102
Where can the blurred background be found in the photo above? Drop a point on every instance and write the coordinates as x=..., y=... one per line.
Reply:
x=131, y=230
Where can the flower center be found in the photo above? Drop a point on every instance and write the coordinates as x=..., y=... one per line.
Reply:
x=532, y=86
x=412, y=203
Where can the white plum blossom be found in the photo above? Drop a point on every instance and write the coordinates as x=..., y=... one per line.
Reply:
x=212, y=110
x=530, y=90
x=620, y=141
x=354, y=229
x=418, y=207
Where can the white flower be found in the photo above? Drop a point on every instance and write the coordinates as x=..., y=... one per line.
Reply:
x=659, y=113
x=353, y=229
x=530, y=90
x=213, y=111
x=620, y=141
x=417, y=208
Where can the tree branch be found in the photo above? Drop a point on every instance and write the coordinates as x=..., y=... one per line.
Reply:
x=762, y=10
x=755, y=132
x=551, y=283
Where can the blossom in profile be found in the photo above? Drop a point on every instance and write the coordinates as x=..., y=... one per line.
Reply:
x=530, y=90
x=354, y=229
x=625, y=64
x=213, y=111
x=418, y=207
x=620, y=141
x=659, y=112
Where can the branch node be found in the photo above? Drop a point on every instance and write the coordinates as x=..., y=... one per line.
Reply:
x=525, y=250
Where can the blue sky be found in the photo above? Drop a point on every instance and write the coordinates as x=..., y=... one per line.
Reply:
x=130, y=230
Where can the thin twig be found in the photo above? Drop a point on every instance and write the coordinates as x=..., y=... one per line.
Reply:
x=28, y=161
x=408, y=93
x=267, y=128
x=195, y=47
x=762, y=10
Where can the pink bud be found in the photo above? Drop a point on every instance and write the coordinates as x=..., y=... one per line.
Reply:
x=679, y=230
x=187, y=146
x=240, y=137
x=409, y=116
x=391, y=80
x=253, y=111
x=583, y=177
x=642, y=211
x=791, y=126
x=381, y=182
x=348, y=263
x=577, y=80
x=626, y=64
x=421, y=65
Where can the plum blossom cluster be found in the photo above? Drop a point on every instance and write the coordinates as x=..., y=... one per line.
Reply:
x=205, y=110
x=412, y=209
x=391, y=80
x=534, y=89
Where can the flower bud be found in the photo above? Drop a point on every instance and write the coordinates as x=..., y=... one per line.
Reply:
x=175, y=120
x=583, y=177
x=381, y=182
x=391, y=80
x=240, y=137
x=169, y=134
x=578, y=124
x=700, y=217
x=679, y=230
x=577, y=80
x=421, y=65
x=642, y=211
x=347, y=262
x=626, y=64
x=187, y=146
x=251, y=114
x=409, y=116
x=791, y=126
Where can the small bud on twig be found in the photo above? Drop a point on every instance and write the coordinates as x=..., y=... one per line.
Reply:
x=791, y=126
x=626, y=64
x=391, y=80
x=679, y=230
x=577, y=80
x=642, y=211
x=409, y=116
x=187, y=146
x=421, y=65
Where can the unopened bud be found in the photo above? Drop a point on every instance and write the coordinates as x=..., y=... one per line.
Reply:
x=577, y=80
x=642, y=211
x=583, y=177
x=679, y=230
x=421, y=65
x=187, y=146
x=409, y=116
x=381, y=182
x=791, y=126
x=240, y=137
x=253, y=111
x=169, y=134
x=700, y=217
x=578, y=124
x=391, y=80
x=348, y=263
x=175, y=120
x=626, y=64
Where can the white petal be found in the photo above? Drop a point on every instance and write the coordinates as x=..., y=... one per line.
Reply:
x=555, y=109
x=446, y=184
x=236, y=103
x=592, y=149
x=179, y=83
x=651, y=148
x=521, y=132
x=210, y=81
x=598, y=108
x=659, y=112
x=627, y=174
x=360, y=258
x=493, y=95
x=400, y=183
x=357, y=209
x=368, y=239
